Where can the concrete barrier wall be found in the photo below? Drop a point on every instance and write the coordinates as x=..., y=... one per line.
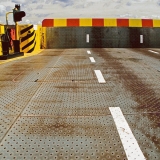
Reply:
x=102, y=37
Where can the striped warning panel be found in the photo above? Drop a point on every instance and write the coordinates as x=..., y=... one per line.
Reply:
x=27, y=38
x=100, y=22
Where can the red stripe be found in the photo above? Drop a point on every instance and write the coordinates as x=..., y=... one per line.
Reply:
x=97, y=22
x=48, y=23
x=72, y=22
x=122, y=22
x=147, y=23
x=13, y=34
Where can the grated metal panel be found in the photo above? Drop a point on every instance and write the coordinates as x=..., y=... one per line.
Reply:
x=128, y=74
x=58, y=110
x=13, y=102
x=63, y=138
x=68, y=99
x=17, y=87
x=147, y=134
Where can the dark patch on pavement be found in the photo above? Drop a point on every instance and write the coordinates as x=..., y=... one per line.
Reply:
x=146, y=52
x=141, y=92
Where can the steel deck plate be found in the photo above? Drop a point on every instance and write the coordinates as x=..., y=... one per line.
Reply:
x=53, y=107
x=86, y=137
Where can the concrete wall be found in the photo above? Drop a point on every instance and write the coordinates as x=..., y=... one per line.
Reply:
x=102, y=37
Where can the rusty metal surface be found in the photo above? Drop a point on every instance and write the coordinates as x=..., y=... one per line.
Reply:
x=102, y=37
x=138, y=75
x=52, y=106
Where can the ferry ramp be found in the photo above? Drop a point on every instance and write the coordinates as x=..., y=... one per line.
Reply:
x=81, y=103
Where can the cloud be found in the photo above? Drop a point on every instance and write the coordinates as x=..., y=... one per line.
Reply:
x=39, y=6
x=37, y=10
x=11, y=23
x=34, y=1
x=9, y=8
x=2, y=10
x=27, y=21
x=19, y=1
x=128, y=3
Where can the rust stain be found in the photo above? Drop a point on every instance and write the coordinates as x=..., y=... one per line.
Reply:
x=141, y=92
x=15, y=79
x=80, y=57
x=16, y=71
x=145, y=52
x=65, y=127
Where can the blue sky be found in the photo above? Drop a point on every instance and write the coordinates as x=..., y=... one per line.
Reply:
x=37, y=10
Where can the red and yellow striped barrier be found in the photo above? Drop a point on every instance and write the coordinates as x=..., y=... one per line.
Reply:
x=100, y=22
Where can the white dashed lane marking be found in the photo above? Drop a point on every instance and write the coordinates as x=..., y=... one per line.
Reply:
x=153, y=51
x=99, y=76
x=129, y=142
x=89, y=52
x=92, y=59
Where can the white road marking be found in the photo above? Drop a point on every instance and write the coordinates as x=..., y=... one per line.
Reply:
x=129, y=142
x=89, y=52
x=92, y=59
x=87, y=38
x=153, y=51
x=99, y=76
x=141, y=38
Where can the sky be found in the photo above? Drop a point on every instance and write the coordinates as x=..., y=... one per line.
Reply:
x=37, y=10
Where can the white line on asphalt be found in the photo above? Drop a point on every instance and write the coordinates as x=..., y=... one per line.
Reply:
x=87, y=38
x=129, y=142
x=153, y=51
x=89, y=52
x=92, y=59
x=99, y=76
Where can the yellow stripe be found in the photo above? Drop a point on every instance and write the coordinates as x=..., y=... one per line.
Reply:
x=22, y=44
x=38, y=37
x=110, y=22
x=21, y=27
x=156, y=22
x=2, y=29
x=25, y=55
x=60, y=22
x=135, y=23
x=85, y=22
x=31, y=46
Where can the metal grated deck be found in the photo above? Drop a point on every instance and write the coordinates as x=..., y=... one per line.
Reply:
x=52, y=106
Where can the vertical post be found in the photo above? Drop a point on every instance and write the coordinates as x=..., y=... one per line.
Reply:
x=16, y=36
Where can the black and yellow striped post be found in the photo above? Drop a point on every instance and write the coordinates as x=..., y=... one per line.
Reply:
x=27, y=38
